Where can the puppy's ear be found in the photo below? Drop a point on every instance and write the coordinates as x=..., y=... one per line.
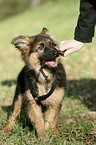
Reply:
x=22, y=42
x=45, y=31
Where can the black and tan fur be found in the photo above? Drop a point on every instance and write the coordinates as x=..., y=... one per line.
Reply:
x=39, y=51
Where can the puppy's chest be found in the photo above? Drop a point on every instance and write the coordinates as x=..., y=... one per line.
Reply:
x=42, y=85
x=43, y=88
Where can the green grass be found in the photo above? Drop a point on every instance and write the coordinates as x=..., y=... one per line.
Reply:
x=77, y=123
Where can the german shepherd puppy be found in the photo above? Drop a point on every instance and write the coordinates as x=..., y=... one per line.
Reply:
x=41, y=83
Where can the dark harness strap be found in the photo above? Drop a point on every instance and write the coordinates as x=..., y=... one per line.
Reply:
x=46, y=77
x=34, y=93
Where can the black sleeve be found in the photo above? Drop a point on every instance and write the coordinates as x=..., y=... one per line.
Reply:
x=85, y=28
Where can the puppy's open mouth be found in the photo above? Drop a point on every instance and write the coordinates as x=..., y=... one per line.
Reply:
x=52, y=63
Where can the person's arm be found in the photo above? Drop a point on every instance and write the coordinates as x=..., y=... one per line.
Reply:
x=84, y=30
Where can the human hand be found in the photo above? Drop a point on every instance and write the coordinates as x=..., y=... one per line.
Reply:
x=70, y=46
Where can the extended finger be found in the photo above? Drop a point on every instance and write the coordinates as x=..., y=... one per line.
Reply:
x=70, y=51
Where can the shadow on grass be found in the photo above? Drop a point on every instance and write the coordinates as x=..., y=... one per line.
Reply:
x=8, y=83
x=84, y=89
x=6, y=108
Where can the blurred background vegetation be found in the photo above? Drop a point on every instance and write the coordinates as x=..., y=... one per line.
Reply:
x=9, y=7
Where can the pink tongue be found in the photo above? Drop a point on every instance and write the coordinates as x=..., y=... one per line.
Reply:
x=51, y=63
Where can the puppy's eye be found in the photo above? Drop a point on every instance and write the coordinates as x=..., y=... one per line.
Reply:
x=51, y=43
x=41, y=46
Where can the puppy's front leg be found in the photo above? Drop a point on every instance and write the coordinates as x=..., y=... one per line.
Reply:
x=17, y=104
x=51, y=117
x=36, y=117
